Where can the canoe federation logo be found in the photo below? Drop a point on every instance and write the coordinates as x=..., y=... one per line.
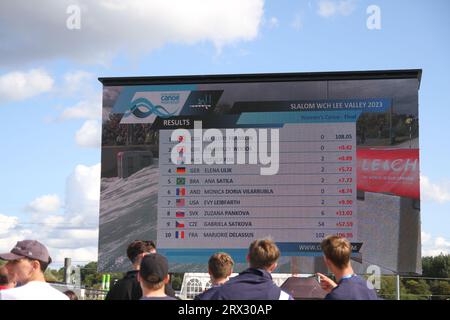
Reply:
x=143, y=110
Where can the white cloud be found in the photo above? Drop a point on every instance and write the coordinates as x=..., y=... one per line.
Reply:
x=10, y=232
x=82, y=255
x=45, y=204
x=83, y=193
x=434, y=246
x=436, y=192
x=73, y=234
x=53, y=220
x=7, y=223
x=75, y=81
x=133, y=26
x=89, y=135
x=328, y=8
x=78, y=237
x=426, y=237
x=18, y=85
x=442, y=242
x=8, y=240
x=85, y=109
x=72, y=238
x=82, y=85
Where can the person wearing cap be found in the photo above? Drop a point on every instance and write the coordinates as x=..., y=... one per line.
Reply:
x=28, y=261
x=128, y=288
x=153, y=276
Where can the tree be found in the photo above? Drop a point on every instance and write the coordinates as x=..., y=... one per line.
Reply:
x=52, y=275
x=90, y=278
x=177, y=280
x=440, y=289
x=388, y=289
x=436, y=267
x=416, y=289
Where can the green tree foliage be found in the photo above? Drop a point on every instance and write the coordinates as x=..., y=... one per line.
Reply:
x=440, y=289
x=421, y=288
x=388, y=289
x=177, y=280
x=52, y=275
x=90, y=278
x=436, y=267
x=416, y=289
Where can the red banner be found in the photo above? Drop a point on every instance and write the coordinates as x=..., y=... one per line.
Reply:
x=394, y=171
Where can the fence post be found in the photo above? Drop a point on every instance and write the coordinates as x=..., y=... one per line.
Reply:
x=67, y=270
x=398, y=286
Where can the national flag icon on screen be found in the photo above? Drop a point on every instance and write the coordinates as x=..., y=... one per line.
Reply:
x=181, y=181
x=180, y=202
x=179, y=224
x=179, y=214
x=181, y=191
x=181, y=169
x=179, y=234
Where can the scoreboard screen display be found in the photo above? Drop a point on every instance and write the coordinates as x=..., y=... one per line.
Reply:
x=201, y=164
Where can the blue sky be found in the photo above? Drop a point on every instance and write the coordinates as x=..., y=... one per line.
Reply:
x=51, y=107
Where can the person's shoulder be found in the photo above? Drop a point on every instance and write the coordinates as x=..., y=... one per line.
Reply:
x=128, y=278
x=33, y=291
x=361, y=282
x=16, y=293
x=354, y=288
x=208, y=294
x=126, y=288
x=8, y=294
x=51, y=293
x=357, y=279
x=335, y=294
x=158, y=298
x=366, y=288
x=123, y=283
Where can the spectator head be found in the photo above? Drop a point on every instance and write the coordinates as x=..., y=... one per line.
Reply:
x=337, y=251
x=153, y=273
x=138, y=249
x=220, y=267
x=72, y=295
x=6, y=281
x=263, y=254
x=27, y=261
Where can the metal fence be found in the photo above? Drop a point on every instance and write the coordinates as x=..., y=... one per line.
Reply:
x=414, y=288
x=390, y=288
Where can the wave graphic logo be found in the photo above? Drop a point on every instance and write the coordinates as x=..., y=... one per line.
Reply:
x=142, y=108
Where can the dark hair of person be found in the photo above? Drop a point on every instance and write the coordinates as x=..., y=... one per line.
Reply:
x=72, y=295
x=138, y=247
